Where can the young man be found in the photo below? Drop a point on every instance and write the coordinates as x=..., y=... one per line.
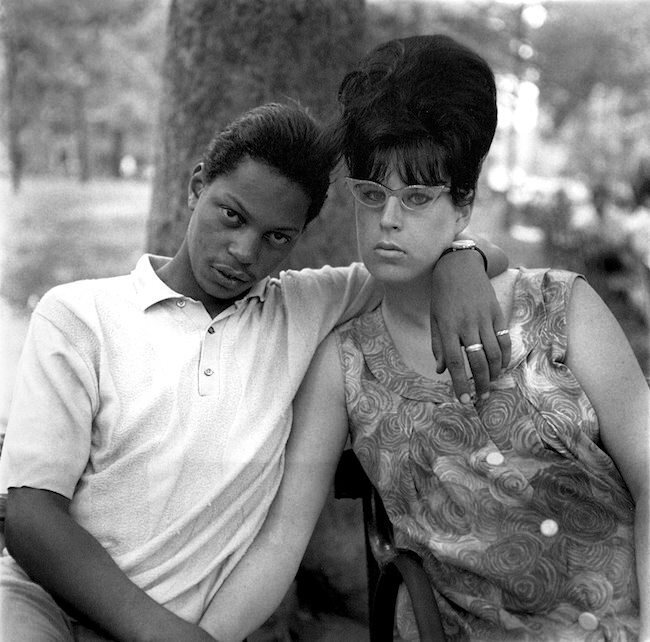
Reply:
x=147, y=436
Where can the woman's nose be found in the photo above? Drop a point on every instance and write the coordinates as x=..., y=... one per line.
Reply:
x=391, y=216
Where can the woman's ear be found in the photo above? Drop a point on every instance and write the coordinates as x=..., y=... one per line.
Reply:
x=195, y=186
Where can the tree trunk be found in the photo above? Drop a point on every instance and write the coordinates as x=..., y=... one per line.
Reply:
x=117, y=153
x=226, y=56
x=15, y=152
x=81, y=133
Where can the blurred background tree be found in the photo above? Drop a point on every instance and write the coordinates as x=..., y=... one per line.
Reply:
x=226, y=56
x=82, y=83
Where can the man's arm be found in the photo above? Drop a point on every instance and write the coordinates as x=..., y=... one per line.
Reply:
x=261, y=579
x=465, y=311
x=602, y=361
x=71, y=564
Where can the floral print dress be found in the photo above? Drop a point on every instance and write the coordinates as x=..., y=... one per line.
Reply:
x=524, y=524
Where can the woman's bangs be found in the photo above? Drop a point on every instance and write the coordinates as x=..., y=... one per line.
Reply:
x=416, y=163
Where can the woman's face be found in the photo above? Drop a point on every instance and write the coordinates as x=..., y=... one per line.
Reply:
x=400, y=245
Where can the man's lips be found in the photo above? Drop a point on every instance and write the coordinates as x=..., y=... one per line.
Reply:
x=231, y=273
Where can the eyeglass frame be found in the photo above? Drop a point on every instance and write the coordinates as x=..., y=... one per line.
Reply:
x=438, y=191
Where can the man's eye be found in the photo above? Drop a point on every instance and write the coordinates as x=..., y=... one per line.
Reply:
x=278, y=239
x=231, y=216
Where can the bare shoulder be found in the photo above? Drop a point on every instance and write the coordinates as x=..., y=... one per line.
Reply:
x=324, y=377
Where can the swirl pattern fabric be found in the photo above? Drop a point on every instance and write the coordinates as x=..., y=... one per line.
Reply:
x=524, y=523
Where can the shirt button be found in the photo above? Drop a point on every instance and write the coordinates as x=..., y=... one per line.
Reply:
x=588, y=621
x=495, y=459
x=210, y=330
x=549, y=527
x=208, y=372
x=180, y=303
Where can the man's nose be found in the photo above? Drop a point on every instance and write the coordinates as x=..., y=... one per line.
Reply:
x=245, y=247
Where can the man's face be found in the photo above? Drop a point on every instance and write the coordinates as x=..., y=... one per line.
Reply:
x=243, y=226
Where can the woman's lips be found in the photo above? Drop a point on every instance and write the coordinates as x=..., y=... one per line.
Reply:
x=386, y=248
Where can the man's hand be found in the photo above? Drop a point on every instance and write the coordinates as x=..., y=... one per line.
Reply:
x=70, y=564
x=465, y=312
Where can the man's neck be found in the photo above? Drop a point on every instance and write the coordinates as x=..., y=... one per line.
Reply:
x=168, y=272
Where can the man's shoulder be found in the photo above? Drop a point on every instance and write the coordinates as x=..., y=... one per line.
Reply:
x=85, y=293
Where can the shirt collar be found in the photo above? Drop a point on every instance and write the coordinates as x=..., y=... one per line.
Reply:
x=150, y=289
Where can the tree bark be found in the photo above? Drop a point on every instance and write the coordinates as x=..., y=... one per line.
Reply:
x=15, y=152
x=81, y=133
x=226, y=56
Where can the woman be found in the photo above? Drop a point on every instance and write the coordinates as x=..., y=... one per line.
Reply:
x=529, y=508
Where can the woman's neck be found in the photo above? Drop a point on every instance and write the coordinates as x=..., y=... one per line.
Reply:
x=407, y=316
x=407, y=304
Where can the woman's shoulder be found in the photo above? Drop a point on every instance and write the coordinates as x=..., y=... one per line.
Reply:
x=542, y=282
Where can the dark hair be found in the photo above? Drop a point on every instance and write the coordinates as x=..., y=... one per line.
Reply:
x=284, y=137
x=426, y=103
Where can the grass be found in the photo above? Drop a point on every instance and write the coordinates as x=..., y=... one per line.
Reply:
x=56, y=231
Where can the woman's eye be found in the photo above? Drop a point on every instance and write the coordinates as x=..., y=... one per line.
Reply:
x=373, y=195
x=418, y=199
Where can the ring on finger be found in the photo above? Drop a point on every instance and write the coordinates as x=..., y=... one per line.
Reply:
x=502, y=333
x=475, y=347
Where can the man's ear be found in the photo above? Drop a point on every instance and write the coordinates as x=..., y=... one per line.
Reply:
x=463, y=217
x=195, y=186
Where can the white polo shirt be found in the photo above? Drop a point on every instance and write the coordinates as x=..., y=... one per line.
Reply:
x=165, y=427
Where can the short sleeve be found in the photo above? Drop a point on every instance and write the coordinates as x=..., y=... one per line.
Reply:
x=47, y=442
x=556, y=290
x=328, y=297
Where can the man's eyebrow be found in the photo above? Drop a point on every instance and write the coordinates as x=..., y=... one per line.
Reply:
x=287, y=229
x=226, y=195
x=242, y=210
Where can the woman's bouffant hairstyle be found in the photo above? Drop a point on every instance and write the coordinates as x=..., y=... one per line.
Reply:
x=284, y=137
x=426, y=104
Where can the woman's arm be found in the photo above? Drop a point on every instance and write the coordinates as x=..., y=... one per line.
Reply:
x=71, y=564
x=261, y=579
x=603, y=362
x=465, y=311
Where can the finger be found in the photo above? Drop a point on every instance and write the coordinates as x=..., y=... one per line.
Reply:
x=480, y=370
x=492, y=350
x=455, y=362
x=503, y=337
x=437, y=347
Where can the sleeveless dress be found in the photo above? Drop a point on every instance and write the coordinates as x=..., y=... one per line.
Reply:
x=524, y=523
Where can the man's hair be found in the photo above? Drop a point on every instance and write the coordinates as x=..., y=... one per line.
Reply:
x=284, y=137
x=426, y=104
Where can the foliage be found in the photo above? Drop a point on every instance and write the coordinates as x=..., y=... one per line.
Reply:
x=581, y=46
x=82, y=69
x=589, y=59
x=89, y=73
